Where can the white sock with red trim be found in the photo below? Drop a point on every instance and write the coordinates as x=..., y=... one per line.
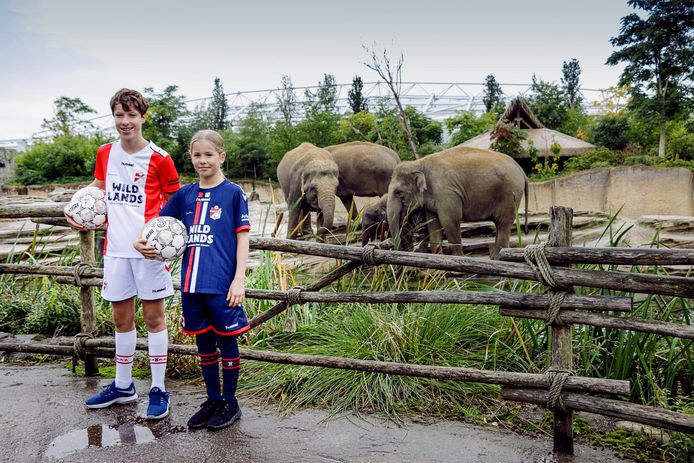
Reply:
x=158, y=351
x=125, y=352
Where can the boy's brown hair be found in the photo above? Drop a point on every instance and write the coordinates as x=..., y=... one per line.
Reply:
x=129, y=99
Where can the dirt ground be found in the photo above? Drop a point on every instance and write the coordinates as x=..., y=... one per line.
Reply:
x=43, y=418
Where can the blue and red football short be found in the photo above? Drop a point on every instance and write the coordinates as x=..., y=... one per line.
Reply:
x=205, y=312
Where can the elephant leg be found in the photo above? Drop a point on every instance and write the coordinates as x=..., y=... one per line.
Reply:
x=348, y=202
x=435, y=232
x=293, y=222
x=450, y=223
x=503, y=238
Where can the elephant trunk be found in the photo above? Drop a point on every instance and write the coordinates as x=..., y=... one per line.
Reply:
x=326, y=202
x=394, y=212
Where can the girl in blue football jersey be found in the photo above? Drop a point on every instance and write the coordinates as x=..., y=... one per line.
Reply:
x=215, y=213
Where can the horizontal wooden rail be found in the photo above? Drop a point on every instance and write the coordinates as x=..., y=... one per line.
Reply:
x=642, y=325
x=619, y=256
x=21, y=212
x=511, y=299
x=652, y=416
x=504, y=378
x=632, y=282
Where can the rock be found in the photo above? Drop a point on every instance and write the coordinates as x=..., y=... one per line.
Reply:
x=637, y=428
x=61, y=195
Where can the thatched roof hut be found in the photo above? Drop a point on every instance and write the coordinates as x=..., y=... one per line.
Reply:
x=519, y=114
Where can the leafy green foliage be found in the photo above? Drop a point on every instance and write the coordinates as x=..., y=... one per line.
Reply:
x=251, y=146
x=219, y=107
x=680, y=144
x=357, y=101
x=68, y=158
x=163, y=123
x=68, y=117
x=571, y=73
x=508, y=139
x=492, y=96
x=658, y=49
x=467, y=125
x=599, y=157
x=611, y=131
x=548, y=102
x=321, y=122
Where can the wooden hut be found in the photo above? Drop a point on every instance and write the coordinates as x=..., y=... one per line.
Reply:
x=519, y=114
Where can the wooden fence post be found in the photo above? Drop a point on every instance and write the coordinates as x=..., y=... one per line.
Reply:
x=88, y=319
x=562, y=349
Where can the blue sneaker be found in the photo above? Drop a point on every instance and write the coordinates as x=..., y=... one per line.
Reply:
x=112, y=395
x=158, y=407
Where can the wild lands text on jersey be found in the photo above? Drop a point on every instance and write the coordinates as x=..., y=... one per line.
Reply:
x=199, y=234
x=125, y=193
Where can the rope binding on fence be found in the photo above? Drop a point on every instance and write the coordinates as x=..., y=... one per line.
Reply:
x=367, y=255
x=80, y=348
x=294, y=295
x=556, y=379
x=78, y=271
x=537, y=260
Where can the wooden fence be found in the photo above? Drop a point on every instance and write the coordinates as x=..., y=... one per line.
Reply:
x=558, y=389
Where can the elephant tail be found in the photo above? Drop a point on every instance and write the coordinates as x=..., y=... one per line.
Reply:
x=526, y=205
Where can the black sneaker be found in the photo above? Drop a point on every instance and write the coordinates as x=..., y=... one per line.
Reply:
x=202, y=416
x=226, y=414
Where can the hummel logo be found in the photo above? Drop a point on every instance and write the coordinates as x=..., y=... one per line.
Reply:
x=129, y=164
x=159, y=290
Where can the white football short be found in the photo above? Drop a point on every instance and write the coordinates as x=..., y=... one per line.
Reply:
x=127, y=277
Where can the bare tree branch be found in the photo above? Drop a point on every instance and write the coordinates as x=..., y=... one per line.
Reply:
x=393, y=79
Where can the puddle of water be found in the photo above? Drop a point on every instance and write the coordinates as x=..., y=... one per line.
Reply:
x=99, y=436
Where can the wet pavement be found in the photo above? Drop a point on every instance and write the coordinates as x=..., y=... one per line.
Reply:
x=42, y=418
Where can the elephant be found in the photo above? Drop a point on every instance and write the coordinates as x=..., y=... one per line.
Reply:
x=374, y=225
x=308, y=177
x=460, y=183
x=365, y=170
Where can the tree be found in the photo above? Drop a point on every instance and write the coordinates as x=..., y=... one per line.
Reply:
x=68, y=117
x=392, y=76
x=219, y=106
x=658, y=50
x=548, y=102
x=492, y=94
x=571, y=73
x=357, y=101
x=252, y=143
x=283, y=135
x=163, y=123
x=321, y=121
x=467, y=125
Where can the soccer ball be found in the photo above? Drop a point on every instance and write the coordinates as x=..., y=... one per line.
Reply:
x=167, y=235
x=88, y=207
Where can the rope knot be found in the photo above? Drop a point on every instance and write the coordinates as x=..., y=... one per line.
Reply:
x=294, y=296
x=367, y=254
x=556, y=379
x=77, y=272
x=537, y=260
x=80, y=344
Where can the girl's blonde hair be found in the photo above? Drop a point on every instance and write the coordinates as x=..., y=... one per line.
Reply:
x=211, y=136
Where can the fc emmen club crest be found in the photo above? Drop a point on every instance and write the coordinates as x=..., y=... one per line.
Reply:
x=215, y=212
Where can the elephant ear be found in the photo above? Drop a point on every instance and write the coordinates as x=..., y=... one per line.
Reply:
x=420, y=180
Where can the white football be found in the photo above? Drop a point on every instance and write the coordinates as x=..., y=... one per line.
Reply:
x=88, y=207
x=167, y=235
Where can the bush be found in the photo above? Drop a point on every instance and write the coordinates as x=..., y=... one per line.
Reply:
x=640, y=160
x=68, y=158
x=612, y=132
x=599, y=157
x=680, y=143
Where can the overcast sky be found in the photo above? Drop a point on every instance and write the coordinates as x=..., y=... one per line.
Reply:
x=89, y=49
